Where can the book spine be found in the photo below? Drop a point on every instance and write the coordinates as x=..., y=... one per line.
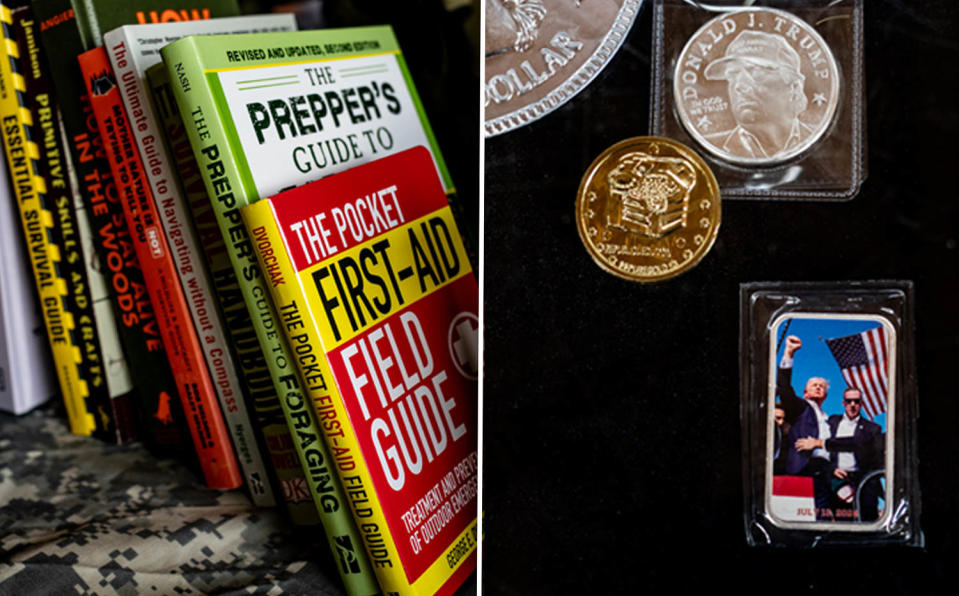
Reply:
x=117, y=371
x=11, y=261
x=113, y=401
x=161, y=414
x=197, y=394
x=9, y=396
x=300, y=330
x=162, y=417
x=39, y=229
x=263, y=398
x=175, y=220
x=25, y=367
x=211, y=147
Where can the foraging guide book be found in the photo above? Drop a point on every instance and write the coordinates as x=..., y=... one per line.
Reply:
x=373, y=288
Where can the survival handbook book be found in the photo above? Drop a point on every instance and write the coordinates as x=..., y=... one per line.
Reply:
x=264, y=401
x=374, y=291
x=132, y=49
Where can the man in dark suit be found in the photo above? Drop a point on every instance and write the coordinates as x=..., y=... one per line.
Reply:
x=780, y=432
x=855, y=449
x=807, y=420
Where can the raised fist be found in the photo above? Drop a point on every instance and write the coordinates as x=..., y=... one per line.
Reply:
x=793, y=343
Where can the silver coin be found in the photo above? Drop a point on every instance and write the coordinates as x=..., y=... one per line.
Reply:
x=756, y=86
x=538, y=55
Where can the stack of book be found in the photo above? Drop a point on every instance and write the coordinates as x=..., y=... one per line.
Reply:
x=317, y=347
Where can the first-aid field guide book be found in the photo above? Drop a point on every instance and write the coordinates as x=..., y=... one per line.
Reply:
x=271, y=111
x=374, y=291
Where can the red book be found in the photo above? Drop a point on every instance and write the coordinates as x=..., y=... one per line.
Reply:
x=196, y=389
x=367, y=268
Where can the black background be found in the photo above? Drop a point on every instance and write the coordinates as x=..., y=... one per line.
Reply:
x=612, y=445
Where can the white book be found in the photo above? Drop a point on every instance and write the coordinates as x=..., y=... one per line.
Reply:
x=26, y=367
x=133, y=49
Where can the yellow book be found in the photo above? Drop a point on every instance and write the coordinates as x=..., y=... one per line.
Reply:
x=373, y=289
x=38, y=226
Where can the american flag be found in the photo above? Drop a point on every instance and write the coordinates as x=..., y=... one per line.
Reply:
x=862, y=358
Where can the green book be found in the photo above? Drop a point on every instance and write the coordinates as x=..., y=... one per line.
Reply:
x=296, y=107
x=272, y=111
x=268, y=112
x=264, y=397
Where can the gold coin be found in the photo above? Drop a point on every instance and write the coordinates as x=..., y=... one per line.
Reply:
x=648, y=209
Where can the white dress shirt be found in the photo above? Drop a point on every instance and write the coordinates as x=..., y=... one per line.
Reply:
x=824, y=432
x=847, y=428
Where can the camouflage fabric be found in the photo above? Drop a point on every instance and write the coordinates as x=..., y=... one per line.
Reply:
x=78, y=516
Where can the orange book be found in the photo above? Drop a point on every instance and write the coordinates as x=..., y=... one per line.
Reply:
x=194, y=384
